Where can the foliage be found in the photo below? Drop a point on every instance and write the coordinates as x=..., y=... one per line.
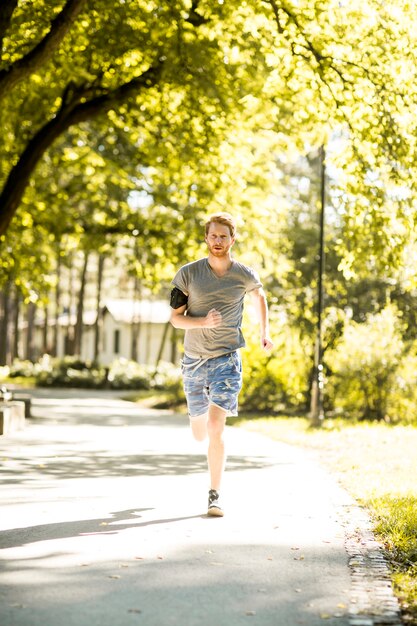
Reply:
x=122, y=374
x=69, y=372
x=165, y=380
x=402, y=397
x=24, y=369
x=364, y=364
x=187, y=104
x=279, y=381
x=125, y=374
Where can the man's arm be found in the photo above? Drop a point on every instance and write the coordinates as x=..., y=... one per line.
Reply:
x=180, y=320
x=261, y=307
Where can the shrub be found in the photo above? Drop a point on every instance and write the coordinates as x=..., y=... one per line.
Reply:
x=168, y=379
x=126, y=374
x=277, y=381
x=69, y=372
x=402, y=399
x=22, y=369
x=364, y=365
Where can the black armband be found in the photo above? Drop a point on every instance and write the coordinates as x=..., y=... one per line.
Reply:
x=178, y=298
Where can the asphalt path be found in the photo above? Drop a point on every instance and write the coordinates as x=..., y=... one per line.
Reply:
x=103, y=522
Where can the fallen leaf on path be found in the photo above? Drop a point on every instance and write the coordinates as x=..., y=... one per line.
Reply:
x=134, y=611
x=299, y=558
x=249, y=613
x=325, y=616
x=115, y=576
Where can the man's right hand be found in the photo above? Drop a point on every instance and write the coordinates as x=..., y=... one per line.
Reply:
x=213, y=319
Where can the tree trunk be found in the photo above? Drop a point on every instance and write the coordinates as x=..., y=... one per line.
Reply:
x=78, y=334
x=45, y=346
x=14, y=348
x=174, y=346
x=135, y=322
x=4, y=323
x=162, y=346
x=69, y=340
x=97, y=323
x=30, y=313
x=54, y=348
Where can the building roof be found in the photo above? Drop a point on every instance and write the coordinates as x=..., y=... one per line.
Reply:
x=123, y=310
x=129, y=311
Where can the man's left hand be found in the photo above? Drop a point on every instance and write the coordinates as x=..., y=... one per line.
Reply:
x=266, y=344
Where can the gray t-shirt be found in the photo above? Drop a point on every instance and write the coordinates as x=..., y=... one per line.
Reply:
x=205, y=291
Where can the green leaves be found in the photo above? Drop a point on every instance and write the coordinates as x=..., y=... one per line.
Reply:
x=142, y=116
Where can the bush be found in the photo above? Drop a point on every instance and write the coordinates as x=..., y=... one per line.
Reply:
x=364, y=366
x=402, y=399
x=122, y=374
x=69, y=372
x=22, y=369
x=126, y=374
x=278, y=381
x=169, y=380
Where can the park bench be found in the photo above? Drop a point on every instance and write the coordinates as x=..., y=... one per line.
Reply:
x=12, y=411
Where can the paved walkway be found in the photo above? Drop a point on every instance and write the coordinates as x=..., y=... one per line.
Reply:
x=103, y=523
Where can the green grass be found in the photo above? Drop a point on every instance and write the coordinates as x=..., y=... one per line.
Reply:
x=377, y=464
x=18, y=381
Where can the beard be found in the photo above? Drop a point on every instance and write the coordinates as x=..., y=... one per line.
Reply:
x=219, y=251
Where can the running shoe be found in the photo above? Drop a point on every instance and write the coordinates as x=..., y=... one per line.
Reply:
x=214, y=508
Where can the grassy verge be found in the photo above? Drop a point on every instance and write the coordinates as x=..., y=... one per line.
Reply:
x=18, y=381
x=377, y=464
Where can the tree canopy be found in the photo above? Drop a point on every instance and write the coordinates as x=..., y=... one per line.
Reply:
x=138, y=116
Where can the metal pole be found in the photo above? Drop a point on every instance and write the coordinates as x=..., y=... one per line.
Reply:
x=317, y=414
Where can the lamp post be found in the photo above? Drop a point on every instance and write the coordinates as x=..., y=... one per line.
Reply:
x=316, y=407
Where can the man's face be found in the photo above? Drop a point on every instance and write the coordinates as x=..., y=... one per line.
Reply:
x=219, y=240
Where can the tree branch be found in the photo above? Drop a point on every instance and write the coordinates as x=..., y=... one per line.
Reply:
x=43, y=51
x=75, y=108
x=194, y=17
x=275, y=9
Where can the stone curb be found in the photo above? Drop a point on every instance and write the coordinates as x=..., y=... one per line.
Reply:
x=372, y=600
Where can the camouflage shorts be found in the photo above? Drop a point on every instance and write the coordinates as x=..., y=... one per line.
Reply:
x=212, y=381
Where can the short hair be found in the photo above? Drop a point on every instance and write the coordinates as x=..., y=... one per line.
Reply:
x=222, y=218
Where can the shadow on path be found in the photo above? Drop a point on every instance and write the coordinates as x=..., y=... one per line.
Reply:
x=64, y=530
x=97, y=464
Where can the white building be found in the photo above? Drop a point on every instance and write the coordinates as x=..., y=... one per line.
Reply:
x=127, y=328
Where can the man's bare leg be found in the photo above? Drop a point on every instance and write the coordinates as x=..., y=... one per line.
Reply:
x=216, y=451
x=212, y=424
x=199, y=427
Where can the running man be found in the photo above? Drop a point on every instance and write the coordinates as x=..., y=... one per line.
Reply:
x=207, y=302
